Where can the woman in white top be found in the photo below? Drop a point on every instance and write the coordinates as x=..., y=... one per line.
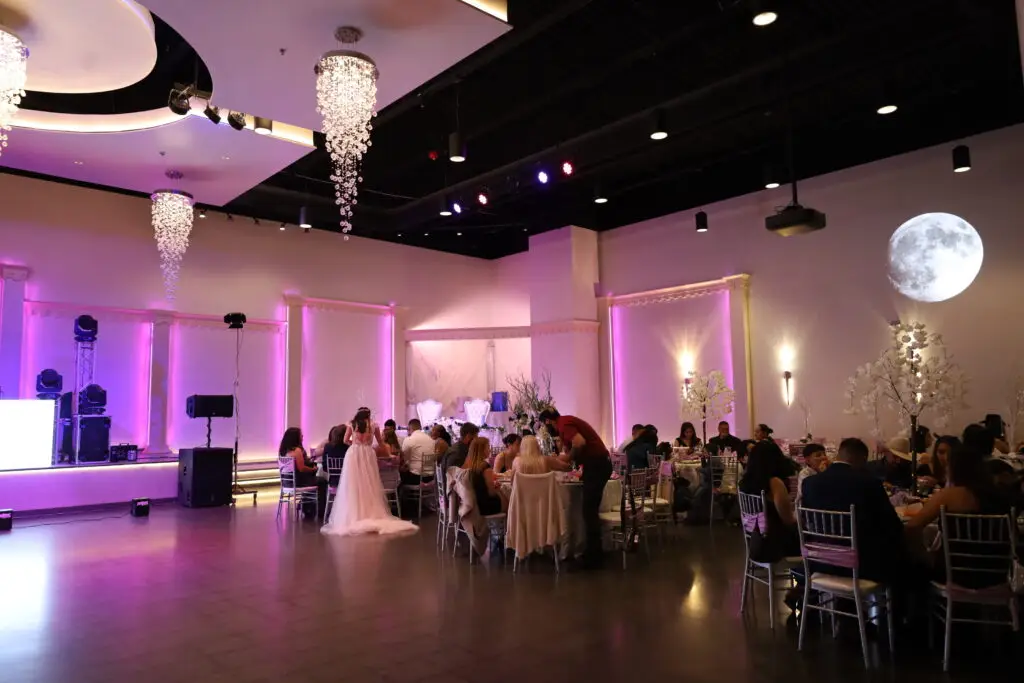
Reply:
x=531, y=460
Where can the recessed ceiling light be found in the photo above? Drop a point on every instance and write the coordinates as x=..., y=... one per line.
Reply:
x=399, y=234
x=458, y=234
x=426, y=234
x=262, y=126
x=526, y=230
x=961, y=159
x=600, y=200
x=887, y=109
x=765, y=18
x=79, y=163
x=445, y=213
x=659, y=135
x=226, y=158
x=771, y=186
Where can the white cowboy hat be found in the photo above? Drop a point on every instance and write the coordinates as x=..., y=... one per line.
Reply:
x=900, y=447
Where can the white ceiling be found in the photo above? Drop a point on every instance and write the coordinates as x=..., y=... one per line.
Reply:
x=132, y=160
x=410, y=40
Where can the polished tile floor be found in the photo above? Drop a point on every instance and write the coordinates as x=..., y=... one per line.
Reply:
x=231, y=595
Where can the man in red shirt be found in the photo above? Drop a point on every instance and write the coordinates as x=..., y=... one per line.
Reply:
x=582, y=445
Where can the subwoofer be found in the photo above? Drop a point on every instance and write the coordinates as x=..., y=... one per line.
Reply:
x=204, y=477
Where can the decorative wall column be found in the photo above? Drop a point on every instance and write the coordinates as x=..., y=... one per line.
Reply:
x=296, y=312
x=563, y=313
x=399, y=356
x=159, y=384
x=12, y=313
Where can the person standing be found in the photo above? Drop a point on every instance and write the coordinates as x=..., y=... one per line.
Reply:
x=582, y=445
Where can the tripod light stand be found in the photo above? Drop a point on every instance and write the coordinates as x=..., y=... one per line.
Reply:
x=236, y=321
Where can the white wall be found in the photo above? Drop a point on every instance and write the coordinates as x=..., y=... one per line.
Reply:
x=827, y=294
x=91, y=251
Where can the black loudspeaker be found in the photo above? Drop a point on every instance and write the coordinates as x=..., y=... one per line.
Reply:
x=140, y=507
x=209, y=406
x=93, y=438
x=204, y=477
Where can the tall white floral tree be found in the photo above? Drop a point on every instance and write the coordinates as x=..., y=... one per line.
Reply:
x=915, y=376
x=1014, y=408
x=707, y=397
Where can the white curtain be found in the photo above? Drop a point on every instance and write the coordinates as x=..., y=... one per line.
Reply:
x=449, y=372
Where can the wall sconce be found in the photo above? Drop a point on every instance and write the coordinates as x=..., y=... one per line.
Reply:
x=687, y=381
x=787, y=378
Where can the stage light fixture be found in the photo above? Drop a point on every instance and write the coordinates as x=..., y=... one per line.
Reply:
x=456, y=148
x=482, y=198
x=456, y=207
x=140, y=507
x=443, y=208
x=49, y=385
x=262, y=126
x=86, y=329
x=567, y=168
x=961, y=159
x=235, y=321
x=236, y=120
x=202, y=213
x=178, y=101
x=659, y=131
x=887, y=109
x=542, y=177
x=702, y=221
x=92, y=400
x=212, y=113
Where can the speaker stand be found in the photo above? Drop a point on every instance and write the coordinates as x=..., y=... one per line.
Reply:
x=237, y=490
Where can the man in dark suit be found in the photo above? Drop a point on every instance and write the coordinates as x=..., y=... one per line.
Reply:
x=880, y=536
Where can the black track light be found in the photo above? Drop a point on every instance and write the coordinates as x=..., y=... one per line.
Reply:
x=202, y=213
x=456, y=148
x=304, y=220
x=236, y=120
x=961, y=159
x=702, y=221
x=178, y=101
x=212, y=113
x=444, y=208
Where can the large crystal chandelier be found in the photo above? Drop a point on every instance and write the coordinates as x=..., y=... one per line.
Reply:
x=172, y=224
x=346, y=95
x=13, y=72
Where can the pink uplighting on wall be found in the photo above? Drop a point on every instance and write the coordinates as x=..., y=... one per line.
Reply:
x=388, y=365
x=282, y=378
x=614, y=342
x=145, y=379
x=726, y=341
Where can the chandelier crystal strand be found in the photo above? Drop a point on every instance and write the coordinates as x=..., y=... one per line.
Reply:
x=346, y=95
x=13, y=73
x=172, y=224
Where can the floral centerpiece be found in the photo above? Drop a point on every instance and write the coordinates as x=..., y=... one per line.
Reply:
x=707, y=397
x=529, y=400
x=909, y=381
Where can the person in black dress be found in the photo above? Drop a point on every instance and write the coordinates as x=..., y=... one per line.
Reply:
x=305, y=469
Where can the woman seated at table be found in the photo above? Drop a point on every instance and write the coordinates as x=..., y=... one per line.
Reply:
x=767, y=470
x=304, y=468
x=933, y=467
x=391, y=441
x=531, y=460
x=687, y=438
x=489, y=500
x=643, y=446
x=970, y=490
x=507, y=458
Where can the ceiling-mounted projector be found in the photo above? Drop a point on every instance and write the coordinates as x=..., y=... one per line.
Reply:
x=795, y=220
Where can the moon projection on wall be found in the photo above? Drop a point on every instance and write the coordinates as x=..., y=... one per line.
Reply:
x=934, y=256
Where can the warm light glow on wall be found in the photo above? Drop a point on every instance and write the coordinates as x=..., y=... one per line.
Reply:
x=787, y=357
x=787, y=361
x=687, y=364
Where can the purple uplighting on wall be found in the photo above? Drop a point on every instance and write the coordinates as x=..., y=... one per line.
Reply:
x=145, y=379
x=388, y=363
x=614, y=352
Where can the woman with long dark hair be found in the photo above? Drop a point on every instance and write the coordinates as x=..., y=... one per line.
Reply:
x=360, y=506
x=303, y=467
x=767, y=470
x=688, y=438
x=937, y=465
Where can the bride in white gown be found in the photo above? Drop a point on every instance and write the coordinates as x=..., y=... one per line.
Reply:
x=359, y=506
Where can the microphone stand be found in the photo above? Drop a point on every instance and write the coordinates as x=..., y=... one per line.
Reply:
x=236, y=488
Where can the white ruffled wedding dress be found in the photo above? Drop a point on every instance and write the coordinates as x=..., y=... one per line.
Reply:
x=360, y=507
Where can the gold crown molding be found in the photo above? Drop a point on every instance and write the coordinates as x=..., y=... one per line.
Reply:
x=337, y=305
x=468, y=334
x=668, y=295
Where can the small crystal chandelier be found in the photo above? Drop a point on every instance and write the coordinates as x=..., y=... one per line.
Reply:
x=13, y=73
x=172, y=224
x=346, y=96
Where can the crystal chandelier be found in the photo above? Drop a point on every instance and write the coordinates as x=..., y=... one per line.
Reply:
x=13, y=72
x=172, y=223
x=346, y=95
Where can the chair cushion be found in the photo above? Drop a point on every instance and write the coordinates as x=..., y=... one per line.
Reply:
x=842, y=584
x=610, y=517
x=997, y=594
